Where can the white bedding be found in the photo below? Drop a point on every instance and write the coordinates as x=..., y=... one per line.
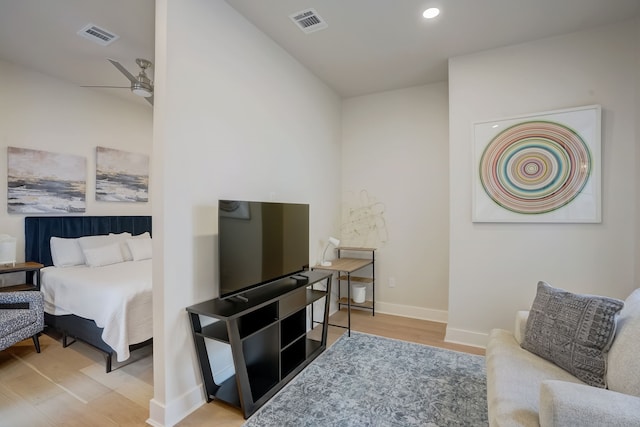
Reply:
x=117, y=297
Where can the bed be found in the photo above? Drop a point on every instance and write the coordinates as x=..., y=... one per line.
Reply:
x=76, y=295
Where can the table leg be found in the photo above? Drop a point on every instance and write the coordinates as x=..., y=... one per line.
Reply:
x=349, y=304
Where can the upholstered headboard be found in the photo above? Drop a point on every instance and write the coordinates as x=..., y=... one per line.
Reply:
x=38, y=231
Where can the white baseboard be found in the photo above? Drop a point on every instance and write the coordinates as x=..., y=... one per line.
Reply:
x=156, y=413
x=412, y=312
x=460, y=336
x=163, y=415
x=456, y=336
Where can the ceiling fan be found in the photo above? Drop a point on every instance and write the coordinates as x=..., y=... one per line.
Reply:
x=140, y=85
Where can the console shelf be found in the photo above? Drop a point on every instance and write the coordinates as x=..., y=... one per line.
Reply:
x=269, y=336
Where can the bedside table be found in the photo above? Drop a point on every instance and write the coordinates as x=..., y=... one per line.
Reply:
x=32, y=273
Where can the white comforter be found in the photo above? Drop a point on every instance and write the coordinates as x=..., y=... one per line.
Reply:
x=117, y=297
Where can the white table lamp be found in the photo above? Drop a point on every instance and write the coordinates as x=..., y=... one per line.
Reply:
x=7, y=250
x=332, y=241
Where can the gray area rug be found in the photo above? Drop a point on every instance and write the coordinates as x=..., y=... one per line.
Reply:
x=366, y=380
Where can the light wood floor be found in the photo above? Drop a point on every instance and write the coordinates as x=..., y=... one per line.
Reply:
x=68, y=386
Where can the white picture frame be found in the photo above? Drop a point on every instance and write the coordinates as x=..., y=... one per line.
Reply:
x=538, y=168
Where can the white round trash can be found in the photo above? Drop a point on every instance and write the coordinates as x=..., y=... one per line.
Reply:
x=358, y=293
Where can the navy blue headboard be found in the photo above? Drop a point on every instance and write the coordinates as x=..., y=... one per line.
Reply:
x=38, y=231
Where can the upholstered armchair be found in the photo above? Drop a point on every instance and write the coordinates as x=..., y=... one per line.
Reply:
x=17, y=324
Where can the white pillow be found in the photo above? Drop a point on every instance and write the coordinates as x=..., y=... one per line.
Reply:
x=125, y=248
x=93, y=242
x=122, y=239
x=140, y=248
x=103, y=255
x=66, y=252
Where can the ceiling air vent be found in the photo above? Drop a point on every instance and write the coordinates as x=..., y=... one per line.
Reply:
x=308, y=20
x=98, y=35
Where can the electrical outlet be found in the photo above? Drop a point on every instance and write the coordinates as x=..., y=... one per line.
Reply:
x=392, y=282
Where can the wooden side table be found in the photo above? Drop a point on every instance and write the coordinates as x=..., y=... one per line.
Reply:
x=345, y=267
x=32, y=273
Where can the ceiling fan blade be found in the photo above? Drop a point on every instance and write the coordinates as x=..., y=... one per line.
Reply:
x=109, y=87
x=124, y=71
x=150, y=99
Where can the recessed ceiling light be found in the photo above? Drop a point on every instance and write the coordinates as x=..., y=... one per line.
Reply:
x=431, y=13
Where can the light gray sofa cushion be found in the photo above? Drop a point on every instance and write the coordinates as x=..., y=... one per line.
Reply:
x=564, y=404
x=623, y=372
x=521, y=325
x=573, y=331
x=514, y=376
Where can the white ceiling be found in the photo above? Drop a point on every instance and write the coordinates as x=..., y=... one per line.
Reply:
x=374, y=45
x=41, y=35
x=369, y=45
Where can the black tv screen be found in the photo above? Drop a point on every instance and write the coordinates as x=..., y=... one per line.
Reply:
x=260, y=242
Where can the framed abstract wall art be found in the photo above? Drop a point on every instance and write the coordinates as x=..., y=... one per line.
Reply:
x=121, y=176
x=542, y=167
x=41, y=182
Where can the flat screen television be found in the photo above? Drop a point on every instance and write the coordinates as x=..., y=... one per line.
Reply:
x=259, y=243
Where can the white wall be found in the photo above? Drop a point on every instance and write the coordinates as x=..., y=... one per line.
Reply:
x=395, y=151
x=43, y=113
x=235, y=117
x=494, y=267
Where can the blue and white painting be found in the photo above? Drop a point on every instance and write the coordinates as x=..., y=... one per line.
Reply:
x=41, y=182
x=121, y=176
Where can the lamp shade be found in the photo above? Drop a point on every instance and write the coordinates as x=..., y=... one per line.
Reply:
x=332, y=241
x=7, y=249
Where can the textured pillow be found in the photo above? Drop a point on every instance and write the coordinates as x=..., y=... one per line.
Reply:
x=104, y=255
x=140, y=248
x=573, y=331
x=623, y=361
x=65, y=252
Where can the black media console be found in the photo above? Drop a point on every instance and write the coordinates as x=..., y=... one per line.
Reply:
x=269, y=334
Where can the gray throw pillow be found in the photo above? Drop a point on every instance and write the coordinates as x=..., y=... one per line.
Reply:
x=573, y=331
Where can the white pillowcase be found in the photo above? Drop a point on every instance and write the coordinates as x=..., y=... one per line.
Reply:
x=69, y=252
x=103, y=255
x=141, y=248
x=126, y=252
x=93, y=242
x=66, y=252
x=122, y=239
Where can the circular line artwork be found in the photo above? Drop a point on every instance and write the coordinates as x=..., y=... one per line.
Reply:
x=535, y=167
